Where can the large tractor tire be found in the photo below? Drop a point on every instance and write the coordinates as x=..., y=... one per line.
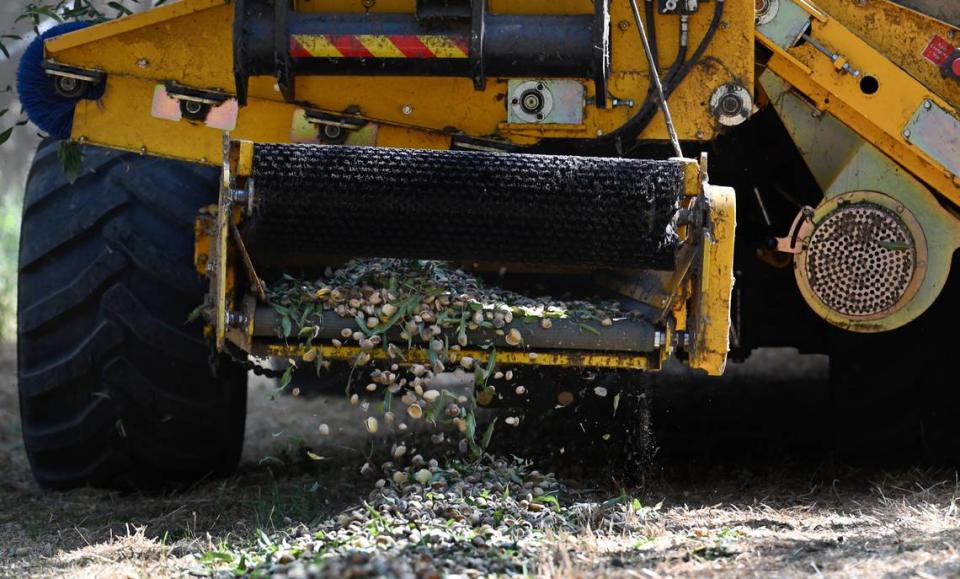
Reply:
x=116, y=389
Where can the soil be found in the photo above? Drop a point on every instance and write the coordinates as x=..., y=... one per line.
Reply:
x=743, y=484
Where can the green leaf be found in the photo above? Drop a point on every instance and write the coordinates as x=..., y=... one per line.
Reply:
x=471, y=425
x=590, y=329
x=217, y=556
x=44, y=11
x=893, y=245
x=491, y=366
x=287, y=376
x=306, y=331
x=71, y=157
x=387, y=400
x=548, y=500
x=195, y=314
x=487, y=435
x=286, y=326
x=119, y=7
x=5, y=135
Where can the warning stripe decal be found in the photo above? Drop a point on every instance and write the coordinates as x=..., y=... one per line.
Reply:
x=378, y=46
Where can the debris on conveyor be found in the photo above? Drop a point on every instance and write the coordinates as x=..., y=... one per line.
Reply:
x=428, y=301
x=427, y=293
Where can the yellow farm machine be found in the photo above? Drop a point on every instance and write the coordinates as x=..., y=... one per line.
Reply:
x=549, y=147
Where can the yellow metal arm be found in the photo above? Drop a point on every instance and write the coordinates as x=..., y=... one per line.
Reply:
x=840, y=73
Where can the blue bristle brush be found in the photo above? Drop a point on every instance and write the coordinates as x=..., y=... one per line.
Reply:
x=52, y=113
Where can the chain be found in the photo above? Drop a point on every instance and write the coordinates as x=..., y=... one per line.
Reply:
x=243, y=359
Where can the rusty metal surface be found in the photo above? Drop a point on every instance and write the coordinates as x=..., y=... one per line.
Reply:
x=945, y=10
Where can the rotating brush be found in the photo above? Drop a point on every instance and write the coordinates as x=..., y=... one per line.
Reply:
x=51, y=112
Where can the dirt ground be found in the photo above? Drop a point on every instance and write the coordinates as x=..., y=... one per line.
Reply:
x=744, y=486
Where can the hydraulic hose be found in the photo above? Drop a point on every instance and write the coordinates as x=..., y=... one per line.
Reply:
x=615, y=141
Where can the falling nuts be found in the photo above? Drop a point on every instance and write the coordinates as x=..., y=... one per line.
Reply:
x=372, y=425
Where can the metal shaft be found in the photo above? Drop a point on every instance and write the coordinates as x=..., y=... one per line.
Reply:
x=655, y=79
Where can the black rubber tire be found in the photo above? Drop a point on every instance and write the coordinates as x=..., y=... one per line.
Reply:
x=116, y=390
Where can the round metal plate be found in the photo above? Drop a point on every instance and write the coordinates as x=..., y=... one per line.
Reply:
x=731, y=104
x=861, y=259
x=766, y=11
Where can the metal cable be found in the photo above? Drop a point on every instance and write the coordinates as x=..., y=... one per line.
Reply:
x=655, y=79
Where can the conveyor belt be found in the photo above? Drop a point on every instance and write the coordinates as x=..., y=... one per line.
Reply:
x=463, y=205
x=566, y=334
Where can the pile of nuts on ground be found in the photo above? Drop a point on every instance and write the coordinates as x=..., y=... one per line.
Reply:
x=459, y=510
x=424, y=520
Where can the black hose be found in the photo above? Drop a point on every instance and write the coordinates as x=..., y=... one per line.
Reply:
x=670, y=78
x=614, y=141
x=652, y=30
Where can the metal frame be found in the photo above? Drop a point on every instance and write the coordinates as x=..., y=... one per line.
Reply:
x=190, y=43
x=694, y=306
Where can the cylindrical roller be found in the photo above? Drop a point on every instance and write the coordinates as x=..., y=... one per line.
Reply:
x=566, y=334
x=334, y=201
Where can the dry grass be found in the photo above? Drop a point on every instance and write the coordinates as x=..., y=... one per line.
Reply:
x=742, y=521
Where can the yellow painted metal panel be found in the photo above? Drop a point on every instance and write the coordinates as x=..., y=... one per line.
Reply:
x=122, y=120
x=879, y=118
x=901, y=35
x=130, y=23
x=714, y=284
x=509, y=357
x=194, y=48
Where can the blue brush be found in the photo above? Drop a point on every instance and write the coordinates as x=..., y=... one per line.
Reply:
x=52, y=113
